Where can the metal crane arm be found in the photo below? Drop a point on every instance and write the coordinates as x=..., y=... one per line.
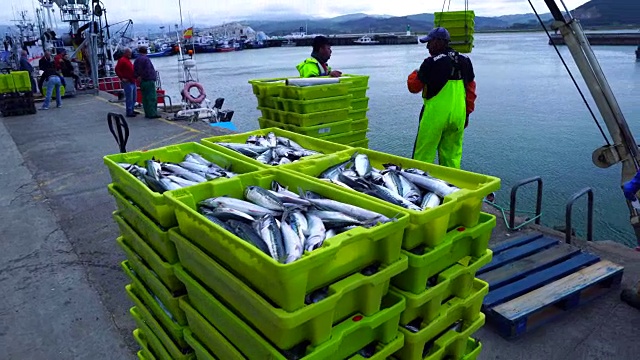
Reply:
x=624, y=148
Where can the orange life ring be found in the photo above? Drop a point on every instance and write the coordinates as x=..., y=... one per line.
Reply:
x=190, y=85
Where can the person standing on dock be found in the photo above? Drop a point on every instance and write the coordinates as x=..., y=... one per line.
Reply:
x=53, y=81
x=26, y=66
x=316, y=65
x=447, y=83
x=145, y=72
x=124, y=70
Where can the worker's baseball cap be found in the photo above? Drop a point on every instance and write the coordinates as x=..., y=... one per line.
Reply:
x=437, y=33
x=320, y=41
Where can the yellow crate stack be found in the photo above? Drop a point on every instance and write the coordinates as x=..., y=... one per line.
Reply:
x=445, y=245
x=403, y=289
x=335, y=112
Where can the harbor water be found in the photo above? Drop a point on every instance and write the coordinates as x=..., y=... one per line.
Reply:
x=529, y=118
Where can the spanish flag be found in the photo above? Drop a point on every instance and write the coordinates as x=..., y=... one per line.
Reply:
x=188, y=33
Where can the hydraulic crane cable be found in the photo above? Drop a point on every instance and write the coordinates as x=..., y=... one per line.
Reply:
x=466, y=25
x=584, y=99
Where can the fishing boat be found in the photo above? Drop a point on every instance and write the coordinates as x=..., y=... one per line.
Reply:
x=289, y=43
x=638, y=53
x=366, y=40
x=224, y=46
x=198, y=107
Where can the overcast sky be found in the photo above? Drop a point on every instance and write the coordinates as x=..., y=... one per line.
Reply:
x=215, y=12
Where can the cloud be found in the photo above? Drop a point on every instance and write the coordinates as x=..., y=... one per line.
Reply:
x=210, y=12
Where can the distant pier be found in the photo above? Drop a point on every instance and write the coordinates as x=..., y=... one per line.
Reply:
x=348, y=39
x=620, y=39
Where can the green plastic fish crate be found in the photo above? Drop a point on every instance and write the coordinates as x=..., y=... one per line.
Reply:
x=462, y=48
x=54, y=93
x=6, y=84
x=144, y=353
x=347, y=338
x=347, y=138
x=153, y=203
x=307, y=142
x=462, y=38
x=267, y=102
x=315, y=92
x=202, y=353
x=456, y=309
x=143, y=299
x=465, y=15
x=132, y=239
x=357, y=81
x=269, y=114
x=171, y=317
x=359, y=125
x=163, y=270
x=358, y=114
x=458, y=244
x=266, y=123
x=317, y=118
x=205, y=339
x=456, y=281
x=21, y=80
x=158, y=340
x=460, y=27
x=267, y=87
x=201, y=328
x=359, y=104
x=312, y=106
x=358, y=92
x=360, y=144
x=427, y=227
x=287, y=284
x=149, y=231
x=323, y=130
x=356, y=293
x=451, y=343
x=155, y=286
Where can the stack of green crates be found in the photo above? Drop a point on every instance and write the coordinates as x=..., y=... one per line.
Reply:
x=16, y=97
x=321, y=111
x=405, y=289
x=333, y=303
x=461, y=27
x=145, y=218
x=446, y=246
x=359, y=107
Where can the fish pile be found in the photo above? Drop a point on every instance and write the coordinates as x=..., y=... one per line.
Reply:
x=283, y=224
x=410, y=188
x=166, y=176
x=270, y=149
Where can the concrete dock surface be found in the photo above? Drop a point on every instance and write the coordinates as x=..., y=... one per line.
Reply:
x=60, y=276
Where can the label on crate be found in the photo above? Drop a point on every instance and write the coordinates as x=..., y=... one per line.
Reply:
x=324, y=130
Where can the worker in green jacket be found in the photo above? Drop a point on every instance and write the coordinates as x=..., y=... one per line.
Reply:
x=316, y=65
x=447, y=83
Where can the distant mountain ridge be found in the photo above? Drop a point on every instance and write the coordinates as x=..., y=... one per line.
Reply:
x=363, y=23
x=609, y=12
x=592, y=13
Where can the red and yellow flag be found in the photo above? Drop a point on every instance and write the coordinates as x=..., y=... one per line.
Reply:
x=188, y=33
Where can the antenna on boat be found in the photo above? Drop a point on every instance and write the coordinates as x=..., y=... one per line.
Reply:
x=180, y=5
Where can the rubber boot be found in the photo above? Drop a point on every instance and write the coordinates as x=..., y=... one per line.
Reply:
x=631, y=296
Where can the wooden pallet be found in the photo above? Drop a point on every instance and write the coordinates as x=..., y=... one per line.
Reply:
x=536, y=278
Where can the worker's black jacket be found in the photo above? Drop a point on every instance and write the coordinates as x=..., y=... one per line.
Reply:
x=436, y=70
